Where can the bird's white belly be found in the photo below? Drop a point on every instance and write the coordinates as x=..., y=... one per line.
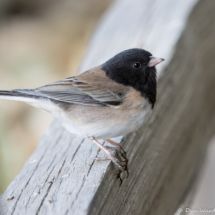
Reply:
x=109, y=128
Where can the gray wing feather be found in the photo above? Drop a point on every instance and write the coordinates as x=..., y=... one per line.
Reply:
x=71, y=90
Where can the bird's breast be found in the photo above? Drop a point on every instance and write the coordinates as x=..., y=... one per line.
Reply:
x=107, y=122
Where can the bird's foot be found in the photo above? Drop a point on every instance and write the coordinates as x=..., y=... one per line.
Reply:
x=119, y=158
x=116, y=154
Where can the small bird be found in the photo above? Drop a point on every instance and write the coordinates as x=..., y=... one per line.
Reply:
x=107, y=101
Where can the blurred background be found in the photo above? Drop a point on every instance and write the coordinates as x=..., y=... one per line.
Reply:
x=41, y=41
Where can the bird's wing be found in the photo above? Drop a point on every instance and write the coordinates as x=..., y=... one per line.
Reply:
x=77, y=91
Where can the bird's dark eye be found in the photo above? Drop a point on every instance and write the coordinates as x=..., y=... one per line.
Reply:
x=137, y=65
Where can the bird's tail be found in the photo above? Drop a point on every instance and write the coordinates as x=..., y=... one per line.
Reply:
x=31, y=97
x=17, y=95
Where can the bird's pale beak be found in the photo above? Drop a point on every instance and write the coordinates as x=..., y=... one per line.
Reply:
x=154, y=61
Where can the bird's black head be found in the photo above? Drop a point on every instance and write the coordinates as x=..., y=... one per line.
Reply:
x=135, y=68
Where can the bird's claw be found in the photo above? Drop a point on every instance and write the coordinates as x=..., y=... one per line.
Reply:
x=119, y=158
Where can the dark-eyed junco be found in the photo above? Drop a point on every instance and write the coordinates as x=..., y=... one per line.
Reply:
x=107, y=101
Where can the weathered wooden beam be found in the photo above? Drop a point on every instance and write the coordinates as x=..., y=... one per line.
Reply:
x=62, y=176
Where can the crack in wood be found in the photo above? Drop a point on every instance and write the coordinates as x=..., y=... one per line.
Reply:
x=61, y=168
x=14, y=207
x=51, y=162
x=27, y=183
x=91, y=167
x=76, y=151
x=76, y=196
x=48, y=190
